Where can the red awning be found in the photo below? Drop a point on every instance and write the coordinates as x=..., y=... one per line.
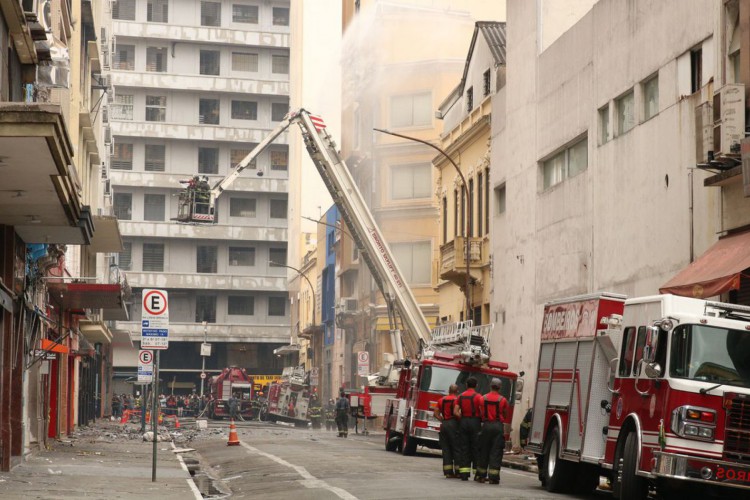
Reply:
x=52, y=346
x=716, y=271
x=90, y=296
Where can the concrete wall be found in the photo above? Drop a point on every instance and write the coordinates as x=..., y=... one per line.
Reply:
x=624, y=223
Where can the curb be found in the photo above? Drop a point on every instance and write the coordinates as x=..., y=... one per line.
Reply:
x=524, y=465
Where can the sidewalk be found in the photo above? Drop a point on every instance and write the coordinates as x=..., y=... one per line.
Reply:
x=106, y=461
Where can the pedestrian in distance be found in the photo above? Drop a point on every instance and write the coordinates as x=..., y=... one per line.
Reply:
x=492, y=437
x=342, y=415
x=469, y=407
x=234, y=406
x=331, y=415
x=116, y=406
x=448, y=431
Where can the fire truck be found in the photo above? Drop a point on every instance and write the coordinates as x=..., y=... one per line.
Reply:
x=232, y=380
x=455, y=352
x=652, y=392
x=288, y=399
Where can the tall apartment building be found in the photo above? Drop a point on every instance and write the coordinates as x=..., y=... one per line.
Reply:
x=196, y=85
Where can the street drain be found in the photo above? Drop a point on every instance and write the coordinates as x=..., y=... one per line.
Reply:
x=206, y=486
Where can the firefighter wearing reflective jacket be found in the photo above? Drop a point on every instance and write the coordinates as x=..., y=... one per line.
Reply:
x=469, y=407
x=448, y=430
x=492, y=439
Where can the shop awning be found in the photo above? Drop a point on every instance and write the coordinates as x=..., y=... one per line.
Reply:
x=90, y=296
x=52, y=346
x=716, y=271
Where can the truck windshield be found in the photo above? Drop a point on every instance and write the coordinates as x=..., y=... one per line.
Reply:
x=711, y=354
x=437, y=379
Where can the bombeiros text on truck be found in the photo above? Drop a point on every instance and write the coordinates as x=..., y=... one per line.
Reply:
x=652, y=393
x=435, y=360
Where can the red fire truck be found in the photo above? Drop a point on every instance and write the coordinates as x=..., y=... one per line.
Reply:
x=232, y=380
x=288, y=400
x=652, y=392
x=456, y=352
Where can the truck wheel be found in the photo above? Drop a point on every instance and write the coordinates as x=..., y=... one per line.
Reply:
x=632, y=486
x=555, y=471
x=391, y=441
x=409, y=444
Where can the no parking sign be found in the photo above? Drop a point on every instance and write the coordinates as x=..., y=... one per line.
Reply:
x=155, y=320
x=363, y=363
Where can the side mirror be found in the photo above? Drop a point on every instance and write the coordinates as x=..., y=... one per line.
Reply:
x=519, y=390
x=652, y=342
x=652, y=370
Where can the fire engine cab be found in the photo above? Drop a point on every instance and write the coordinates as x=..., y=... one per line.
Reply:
x=231, y=380
x=288, y=399
x=652, y=392
x=456, y=352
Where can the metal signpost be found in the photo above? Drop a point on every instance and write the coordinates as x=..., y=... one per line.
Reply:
x=154, y=335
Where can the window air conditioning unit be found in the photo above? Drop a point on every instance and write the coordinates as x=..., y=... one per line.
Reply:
x=348, y=305
x=105, y=114
x=107, y=188
x=107, y=135
x=704, y=131
x=105, y=173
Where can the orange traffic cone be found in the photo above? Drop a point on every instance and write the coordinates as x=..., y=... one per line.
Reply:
x=176, y=423
x=233, y=439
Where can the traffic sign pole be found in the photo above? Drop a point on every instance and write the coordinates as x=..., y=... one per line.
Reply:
x=155, y=414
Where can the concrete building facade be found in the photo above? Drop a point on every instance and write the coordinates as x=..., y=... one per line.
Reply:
x=593, y=158
x=196, y=85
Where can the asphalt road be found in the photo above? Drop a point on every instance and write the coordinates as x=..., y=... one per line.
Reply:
x=278, y=462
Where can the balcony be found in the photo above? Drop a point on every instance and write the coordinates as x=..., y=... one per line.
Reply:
x=217, y=232
x=202, y=83
x=453, y=259
x=202, y=34
x=195, y=132
x=207, y=282
x=247, y=183
x=216, y=332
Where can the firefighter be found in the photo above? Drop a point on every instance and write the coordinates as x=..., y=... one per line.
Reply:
x=469, y=407
x=492, y=437
x=331, y=415
x=448, y=428
x=342, y=415
x=525, y=428
x=202, y=195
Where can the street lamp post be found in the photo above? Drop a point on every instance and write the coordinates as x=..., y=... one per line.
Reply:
x=312, y=289
x=469, y=226
x=203, y=357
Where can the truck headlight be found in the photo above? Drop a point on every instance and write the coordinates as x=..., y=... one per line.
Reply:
x=694, y=422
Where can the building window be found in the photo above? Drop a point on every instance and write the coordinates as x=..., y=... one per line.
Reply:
x=210, y=13
x=410, y=182
x=123, y=10
x=480, y=200
x=157, y=11
x=156, y=59
x=567, y=163
x=486, y=83
x=455, y=212
x=244, y=61
x=244, y=110
x=277, y=256
x=208, y=160
x=210, y=62
x=153, y=257
x=155, y=157
x=205, y=308
x=605, y=131
x=208, y=112
x=280, y=65
x=279, y=160
x=245, y=14
x=469, y=99
x=278, y=209
x=415, y=260
x=153, y=207
x=242, y=207
x=411, y=110
x=206, y=259
x=500, y=199
x=125, y=258
x=156, y=108
x=445, y=219
x=696, y=70
x=124, y=57
x=625, y=113
x=122, y=109
x=651, y=98
x=462, y=229
x=487, y=198
x=278, y=111
x=241, y=256
x=277, y=306
x=470, y=208
x=240, y=305
x=122, y=159
x=280, y=16
x=237, y=155
x=122, y=204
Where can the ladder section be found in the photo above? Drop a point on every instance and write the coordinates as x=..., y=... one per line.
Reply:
x=365, y=232
x=468, y=343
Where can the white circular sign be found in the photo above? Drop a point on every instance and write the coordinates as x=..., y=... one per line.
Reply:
x=154, y=302
x=146, y=357
x=363, y=356
x=203, y=374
